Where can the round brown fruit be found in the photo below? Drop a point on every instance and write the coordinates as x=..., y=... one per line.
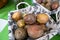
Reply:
x=34, y=31
x=29, y=19
x=42, y=18
x=16, y=16
x=20, y=34
x=21, y=23
x=54, y=5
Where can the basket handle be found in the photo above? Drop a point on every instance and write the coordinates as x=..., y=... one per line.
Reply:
x=21, y=3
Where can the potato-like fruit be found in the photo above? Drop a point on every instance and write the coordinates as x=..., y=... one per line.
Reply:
x=54, y=5
x=16, y=16
x=34, y=31
x=20, y=34
x=21, y=23
x=29, y=19
x=42, y=18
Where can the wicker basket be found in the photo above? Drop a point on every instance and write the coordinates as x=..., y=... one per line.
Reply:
x=29, y=9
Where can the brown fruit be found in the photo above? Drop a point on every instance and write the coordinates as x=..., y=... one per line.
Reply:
x=34, y=31
x=20, y=34
x=54, y=5
x=16, y=16
x=21, y=23
x=42, y=18
x=2, y=3
x=29, y=19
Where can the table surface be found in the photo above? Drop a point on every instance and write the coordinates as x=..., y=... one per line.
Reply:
x=4, y=15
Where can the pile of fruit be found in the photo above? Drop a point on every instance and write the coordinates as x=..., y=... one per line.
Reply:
x=29, y=25
x=51, y=5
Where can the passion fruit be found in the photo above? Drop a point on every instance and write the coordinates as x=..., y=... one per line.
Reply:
x=20, y=34
x=16, y=16
x=21, y=23
x=34, y=31
x=42, y=18
x=54, y=5
x=29, y=19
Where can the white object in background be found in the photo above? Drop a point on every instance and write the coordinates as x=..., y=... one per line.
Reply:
x=3, y=24
x=11, y=36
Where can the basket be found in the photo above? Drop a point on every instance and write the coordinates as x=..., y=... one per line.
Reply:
x=29, y=9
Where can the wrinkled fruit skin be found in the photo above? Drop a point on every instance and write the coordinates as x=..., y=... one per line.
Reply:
x=42, y=18
x=54, y=5
x=34, y=31
x=16, y=16
x=21, y=23
x=29, y=19
x=20, y=34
